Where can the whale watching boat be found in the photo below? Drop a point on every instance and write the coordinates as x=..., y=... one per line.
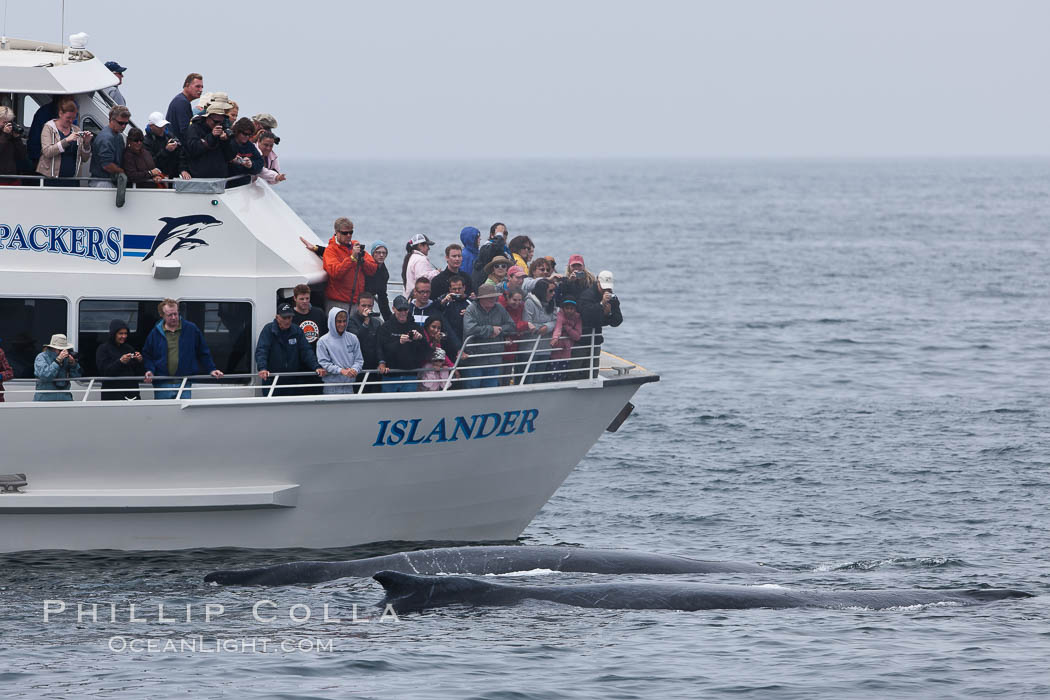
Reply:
x=234, y=464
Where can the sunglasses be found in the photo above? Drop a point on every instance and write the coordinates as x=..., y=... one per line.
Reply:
x=122, y=123
x=501, y=265
x=345, y=233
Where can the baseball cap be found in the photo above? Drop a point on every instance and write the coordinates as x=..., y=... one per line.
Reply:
x=285, y=309
x=115, y=67
x=401, y=303
x=157, y=119
x=420, y=238
x=574, y=259
x=605, y=279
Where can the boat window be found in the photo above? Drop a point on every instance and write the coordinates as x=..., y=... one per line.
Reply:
x=226, y=326
x=25, y=325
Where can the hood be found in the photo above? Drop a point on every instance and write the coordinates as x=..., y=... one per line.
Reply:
x=469, y=238
x=331, y=321
x=114, y=326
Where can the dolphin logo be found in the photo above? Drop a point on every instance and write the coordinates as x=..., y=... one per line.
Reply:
x=182, y=230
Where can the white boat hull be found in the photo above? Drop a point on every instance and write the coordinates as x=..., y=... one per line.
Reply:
x=293, y=472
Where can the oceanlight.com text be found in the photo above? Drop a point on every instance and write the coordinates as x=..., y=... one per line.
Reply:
x=219, y=645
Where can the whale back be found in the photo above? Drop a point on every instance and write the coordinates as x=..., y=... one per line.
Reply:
x=408, y=593
x=480, y=560
x=411, y=593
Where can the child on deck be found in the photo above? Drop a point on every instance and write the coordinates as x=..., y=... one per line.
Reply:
x=434, y=374
x=567, y=331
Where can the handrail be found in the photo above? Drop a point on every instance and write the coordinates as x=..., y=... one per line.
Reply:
x=39, y=179
x=184, y=384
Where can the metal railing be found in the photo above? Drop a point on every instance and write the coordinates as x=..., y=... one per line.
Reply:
x=529, y=365
x=37, y=180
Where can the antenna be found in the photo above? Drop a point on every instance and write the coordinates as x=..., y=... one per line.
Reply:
x=62, y=36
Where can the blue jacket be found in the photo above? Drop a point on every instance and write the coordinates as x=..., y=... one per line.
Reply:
x=284, y=351
x=469, y=237
x=194, y=356
x=51, y=376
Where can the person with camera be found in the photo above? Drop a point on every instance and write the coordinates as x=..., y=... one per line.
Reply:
x=453, y=269
x=246, y=161
x=63, y=148
x=209, y=142
x=364, y=323
x=165, y=147
x=496, y=246
x=454, y=307
x=12, y=150
x=116, y=358
x=138, y=163
x=402, y=347
x=53, y=368
x=107, y=162
x=347, y=265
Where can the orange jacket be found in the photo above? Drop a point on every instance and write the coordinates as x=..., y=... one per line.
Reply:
x=345, y=280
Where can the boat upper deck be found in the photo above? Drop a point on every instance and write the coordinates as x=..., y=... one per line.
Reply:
x=36, y=67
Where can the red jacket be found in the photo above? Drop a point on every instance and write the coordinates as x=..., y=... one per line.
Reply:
x=5, y=373
x=345, y=280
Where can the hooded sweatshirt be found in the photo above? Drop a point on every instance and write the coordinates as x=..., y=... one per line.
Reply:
x=469, y=238
x=108, y=364
x=338, y=351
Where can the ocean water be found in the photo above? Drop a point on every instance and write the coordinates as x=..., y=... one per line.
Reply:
x=855, y=363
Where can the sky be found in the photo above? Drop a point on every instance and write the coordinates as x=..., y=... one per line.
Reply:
x=594, y=79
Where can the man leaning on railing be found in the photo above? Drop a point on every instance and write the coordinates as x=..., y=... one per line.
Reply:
x=487, y=324
x=175, y=347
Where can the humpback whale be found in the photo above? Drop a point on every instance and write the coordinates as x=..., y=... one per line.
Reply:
x=181, y=229
x=481, y=560
x=409, y=593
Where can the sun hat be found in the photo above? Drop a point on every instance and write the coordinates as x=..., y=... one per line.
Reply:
x=496, y=261
x=157, y=119
x=605, y=279
x=60, y=342
x=267, y=120
x=217, y=108
x=419, y=239
x=487, y=291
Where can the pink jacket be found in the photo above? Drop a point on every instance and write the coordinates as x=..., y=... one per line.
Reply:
x=566, y=332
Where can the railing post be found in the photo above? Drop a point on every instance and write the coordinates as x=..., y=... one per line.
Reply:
x=273, y=384
x=594, y=355
x=182, y=385
x=87, y=391
x=455, y=365
x=528, y=363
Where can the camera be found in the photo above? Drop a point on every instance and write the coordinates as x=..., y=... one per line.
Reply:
x=229, y=132
x=174, y=141
x=17, y=129
x=276, y=140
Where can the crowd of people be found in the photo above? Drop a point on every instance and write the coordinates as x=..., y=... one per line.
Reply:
x=200, y=136
x=491, y=308
x=456, y=327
